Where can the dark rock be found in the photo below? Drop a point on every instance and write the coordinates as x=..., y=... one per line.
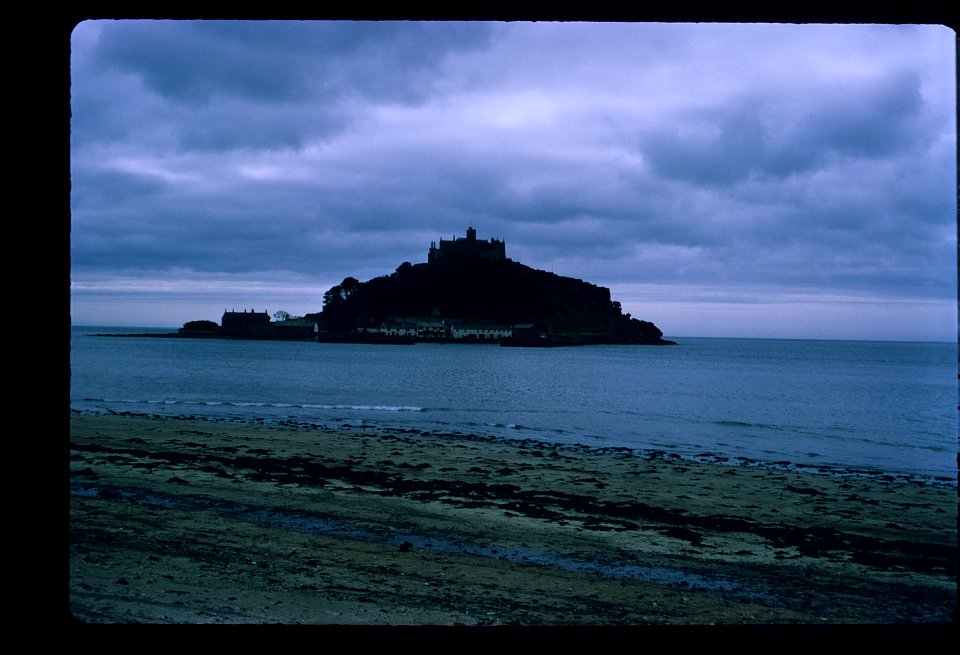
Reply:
x=86, y=473
x=406, y=547
x=685, y=534
x=176, y=480
x=804, y=490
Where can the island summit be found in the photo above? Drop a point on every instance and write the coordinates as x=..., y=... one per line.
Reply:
x=468, y=291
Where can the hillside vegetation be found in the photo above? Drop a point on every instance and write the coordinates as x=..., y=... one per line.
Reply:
x=504, y=292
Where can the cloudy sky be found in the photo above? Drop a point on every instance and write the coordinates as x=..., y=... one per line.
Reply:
x=721, y=179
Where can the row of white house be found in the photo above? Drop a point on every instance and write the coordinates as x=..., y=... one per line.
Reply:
x=434, y=328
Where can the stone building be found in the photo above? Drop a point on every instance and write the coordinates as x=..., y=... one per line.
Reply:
x=468, y=246
x=242, y=324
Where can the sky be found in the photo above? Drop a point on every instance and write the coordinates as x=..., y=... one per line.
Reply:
x=721, y=179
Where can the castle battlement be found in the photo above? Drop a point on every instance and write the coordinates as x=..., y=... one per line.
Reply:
x=468, y=246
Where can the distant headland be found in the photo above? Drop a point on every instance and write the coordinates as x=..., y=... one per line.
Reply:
x=468, y=291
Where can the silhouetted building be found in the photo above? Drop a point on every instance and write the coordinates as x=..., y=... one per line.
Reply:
x=468, y=246
x=295, y=328
x=242, y=324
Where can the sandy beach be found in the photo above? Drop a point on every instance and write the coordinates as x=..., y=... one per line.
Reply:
x=202, y=521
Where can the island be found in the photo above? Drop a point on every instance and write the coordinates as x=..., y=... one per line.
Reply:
x=468, y=291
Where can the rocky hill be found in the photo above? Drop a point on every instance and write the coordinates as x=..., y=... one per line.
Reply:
x=567, y=310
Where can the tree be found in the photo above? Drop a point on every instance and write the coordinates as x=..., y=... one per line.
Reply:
x=199, y=326
x=348, y=286
x=333, y=297
x=281, y=316
x=337, y=294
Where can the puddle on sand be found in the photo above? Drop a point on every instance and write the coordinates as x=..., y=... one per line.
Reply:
x=656, y=574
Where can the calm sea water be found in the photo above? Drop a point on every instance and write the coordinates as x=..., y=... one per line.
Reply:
x=888, y=406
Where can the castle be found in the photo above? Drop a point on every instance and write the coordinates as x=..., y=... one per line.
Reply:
x=491, y=250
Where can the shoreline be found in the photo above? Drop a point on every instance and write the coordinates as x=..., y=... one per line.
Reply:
x=839, y=471
x=389, y=340
x=186, y=521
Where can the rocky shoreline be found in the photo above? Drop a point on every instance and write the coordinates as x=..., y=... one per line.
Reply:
x=202, y=521
x=381, y=339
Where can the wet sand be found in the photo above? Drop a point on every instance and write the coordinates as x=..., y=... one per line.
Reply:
x=201, y=521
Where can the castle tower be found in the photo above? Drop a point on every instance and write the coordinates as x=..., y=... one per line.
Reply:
x=468, y=246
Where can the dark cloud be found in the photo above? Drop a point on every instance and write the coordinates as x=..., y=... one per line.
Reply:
x=778, y=137
x=216, y=85
x=196, y=62
x=875, y=119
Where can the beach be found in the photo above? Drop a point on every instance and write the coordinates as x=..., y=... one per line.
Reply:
x=183, y=520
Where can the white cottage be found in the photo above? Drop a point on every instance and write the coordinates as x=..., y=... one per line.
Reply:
x=399, y=327
x=479, y=331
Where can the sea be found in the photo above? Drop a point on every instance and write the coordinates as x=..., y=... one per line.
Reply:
x=818, y=406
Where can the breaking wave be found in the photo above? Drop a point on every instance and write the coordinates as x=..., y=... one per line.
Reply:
x=248, y=404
